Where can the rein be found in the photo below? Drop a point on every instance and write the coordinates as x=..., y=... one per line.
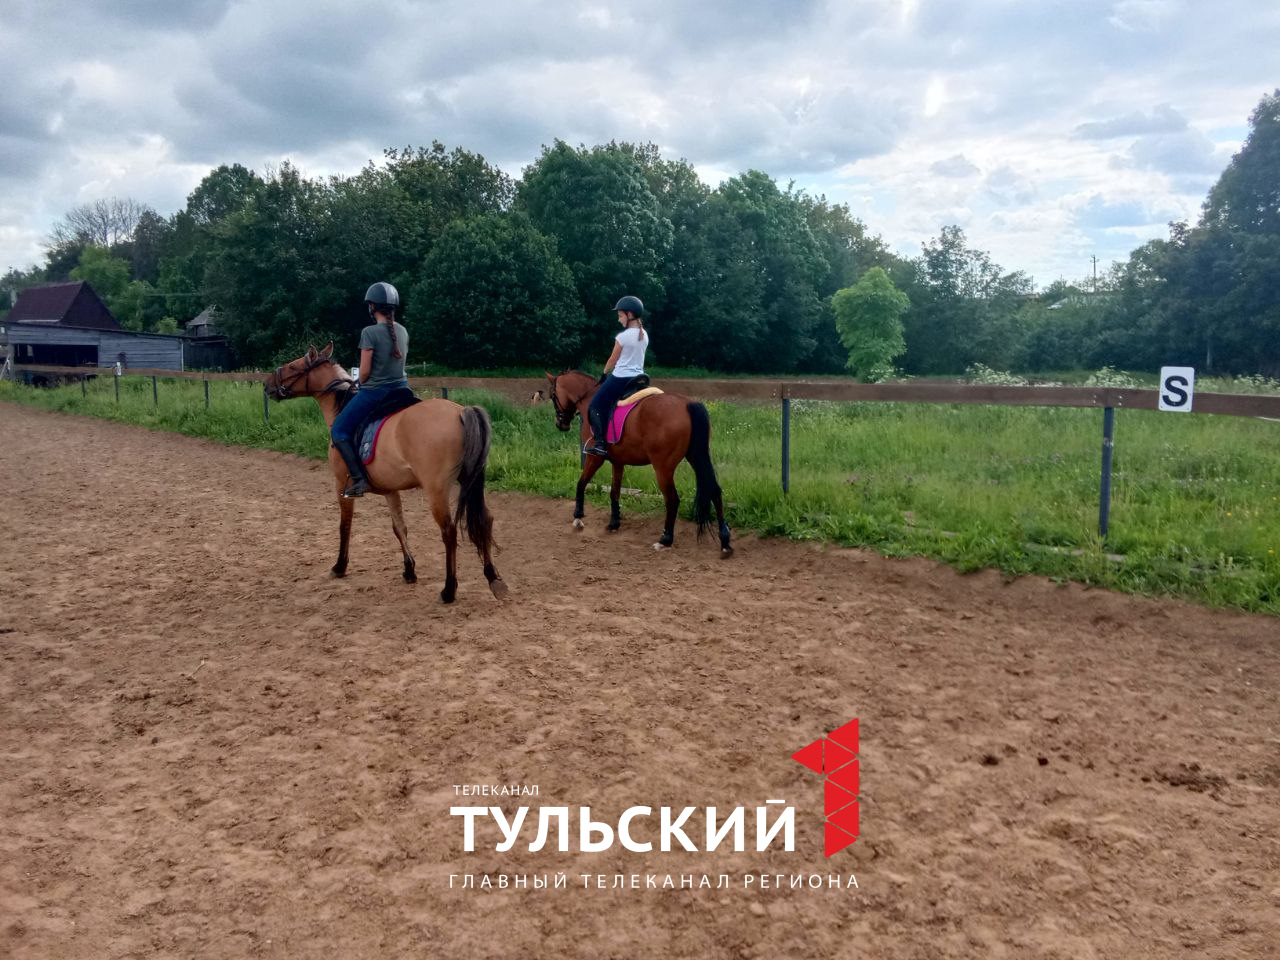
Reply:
x=562, y=421
x=284, y=388
x=564, y=417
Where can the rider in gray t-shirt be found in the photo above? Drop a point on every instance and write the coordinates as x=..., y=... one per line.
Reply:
x=387, y=369
x=384, y=344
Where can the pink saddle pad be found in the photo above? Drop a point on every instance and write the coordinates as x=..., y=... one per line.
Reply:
x=618, y=420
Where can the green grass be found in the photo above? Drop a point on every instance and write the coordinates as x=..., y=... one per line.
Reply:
x=1195, y=509
x=653, y=370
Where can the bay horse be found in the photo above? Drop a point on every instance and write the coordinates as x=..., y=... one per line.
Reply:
x=661, y=431
x=429, y=445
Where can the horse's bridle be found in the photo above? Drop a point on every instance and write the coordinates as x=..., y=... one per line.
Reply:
x=563, y=421
x=284, y=388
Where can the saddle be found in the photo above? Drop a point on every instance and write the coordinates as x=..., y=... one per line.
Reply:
x=634, y=386
x=367, y=435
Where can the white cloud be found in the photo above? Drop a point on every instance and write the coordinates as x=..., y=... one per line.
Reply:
x=1006, y=118
x=1143, y=15
x=956, y=165
x=1163, y=119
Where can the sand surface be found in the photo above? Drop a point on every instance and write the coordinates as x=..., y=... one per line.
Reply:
x=209, y=748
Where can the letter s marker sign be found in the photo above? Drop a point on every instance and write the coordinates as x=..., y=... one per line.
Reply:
x=1177, y=388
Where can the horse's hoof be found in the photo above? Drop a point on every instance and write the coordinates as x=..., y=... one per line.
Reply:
x=410, y=578
x=661, y=546
x=726, y=553
x=446, y=596
x=578, y=524
x=614, y=527
x=498, y=587
x=337, y=574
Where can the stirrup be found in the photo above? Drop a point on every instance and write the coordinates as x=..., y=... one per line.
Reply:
x=596, y=450
x=357, y=487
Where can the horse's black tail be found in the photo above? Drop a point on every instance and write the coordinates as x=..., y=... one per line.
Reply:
x=476, y=435
x=699, y=457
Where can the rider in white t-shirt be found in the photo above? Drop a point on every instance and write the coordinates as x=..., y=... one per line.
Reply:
x=626, y=362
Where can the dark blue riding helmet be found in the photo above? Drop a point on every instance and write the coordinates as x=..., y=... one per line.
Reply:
x=383, y=294
x=631, y=305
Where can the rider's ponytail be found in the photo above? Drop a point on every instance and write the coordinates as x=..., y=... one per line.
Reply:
x=391, y=329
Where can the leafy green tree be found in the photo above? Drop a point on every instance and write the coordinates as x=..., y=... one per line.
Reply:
x=1060, y=322
x=1247, y=195
x=608, y=225
x=382, y=223
x=192, y=234
x=1209, y=295
x=850, y=251
x=446, y=185
x=134, y=303
x=1236, y=251
x=139, y=307
x=494, y=292
x=106, y=273
x=715, y=315
x=268, y=272
x=61, y=258
x=146, y=246
x=868, y=316
x=223, y=191
x=780, y=248
x=689, y=321
x=965, y=309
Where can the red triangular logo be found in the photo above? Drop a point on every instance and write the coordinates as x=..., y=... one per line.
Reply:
x=810, y=756
x=835, y=840
x=847, y=777
x=846, y=819
x=847, y=736
x=834, y=798
x=835, y=757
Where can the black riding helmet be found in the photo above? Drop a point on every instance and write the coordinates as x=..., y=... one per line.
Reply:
x=631, y=305
x=382, y=294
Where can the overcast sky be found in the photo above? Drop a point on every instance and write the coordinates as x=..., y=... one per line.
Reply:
x=1049, y=130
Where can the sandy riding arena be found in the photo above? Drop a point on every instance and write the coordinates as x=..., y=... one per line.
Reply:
x=210, y=749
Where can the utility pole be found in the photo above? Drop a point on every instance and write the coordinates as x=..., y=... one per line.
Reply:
x=1094, y=258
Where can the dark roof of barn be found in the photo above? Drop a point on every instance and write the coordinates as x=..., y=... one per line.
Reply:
x=51, y=302
x=114, y=332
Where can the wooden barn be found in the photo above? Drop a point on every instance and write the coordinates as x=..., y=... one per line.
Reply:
x=67, y=324
x=67, y=304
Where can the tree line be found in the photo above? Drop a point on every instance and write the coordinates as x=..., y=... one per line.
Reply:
x=750, y=276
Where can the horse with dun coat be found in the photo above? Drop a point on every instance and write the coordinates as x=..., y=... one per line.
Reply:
x=429, y=445
x=662, y=430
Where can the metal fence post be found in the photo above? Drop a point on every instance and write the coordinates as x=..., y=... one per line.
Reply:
x=786, y=442
x=1108, y=444
x=155, y=391
x=266, y=409
x=444, y=393
x=84, y=387
x=117, y=380
x=206, y=394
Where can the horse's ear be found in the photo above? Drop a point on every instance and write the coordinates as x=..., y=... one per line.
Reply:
x=550, y=377
x=311, y=351
x=328, y=350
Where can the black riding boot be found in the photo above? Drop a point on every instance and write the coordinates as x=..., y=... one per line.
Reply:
x=600, y=445
x=358, y=483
